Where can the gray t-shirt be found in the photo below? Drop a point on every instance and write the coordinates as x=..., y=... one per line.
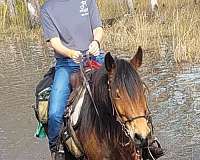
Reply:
x=72, y=21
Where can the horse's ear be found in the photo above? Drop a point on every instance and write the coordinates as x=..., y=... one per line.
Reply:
x=136, y=61
x=109, y=62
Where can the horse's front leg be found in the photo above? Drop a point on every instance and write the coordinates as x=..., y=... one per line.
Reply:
x=94, y=148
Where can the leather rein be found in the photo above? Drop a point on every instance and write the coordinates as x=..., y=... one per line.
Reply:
x=138, y=151
x=130, y=118
x=119, y=116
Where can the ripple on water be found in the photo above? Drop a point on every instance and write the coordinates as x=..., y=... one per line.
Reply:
x=3, y=143
x=174, y=101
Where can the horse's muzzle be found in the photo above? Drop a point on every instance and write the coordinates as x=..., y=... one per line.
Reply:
x=139, y=141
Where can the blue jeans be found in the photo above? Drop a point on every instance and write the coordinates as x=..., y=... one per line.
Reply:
x=59, y=96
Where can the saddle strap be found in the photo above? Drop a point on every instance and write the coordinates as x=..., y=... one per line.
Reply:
x=74, y=137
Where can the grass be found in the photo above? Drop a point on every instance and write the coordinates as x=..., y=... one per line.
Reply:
x=176, y=26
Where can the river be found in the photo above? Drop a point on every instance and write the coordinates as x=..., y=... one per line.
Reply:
x=174, y=101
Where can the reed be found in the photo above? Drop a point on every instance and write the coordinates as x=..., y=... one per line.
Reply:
x=3, y=15
x=176, y=23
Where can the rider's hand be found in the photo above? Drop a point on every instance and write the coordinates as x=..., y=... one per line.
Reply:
x=94, y=48
x=75, y=56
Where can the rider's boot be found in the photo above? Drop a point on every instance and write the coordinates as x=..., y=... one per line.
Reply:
x=58, y=154
x=53, y=155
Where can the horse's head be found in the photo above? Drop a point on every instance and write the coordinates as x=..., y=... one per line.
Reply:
x=127, y=95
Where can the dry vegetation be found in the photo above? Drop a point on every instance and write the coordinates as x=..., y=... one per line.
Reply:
x=177, y=24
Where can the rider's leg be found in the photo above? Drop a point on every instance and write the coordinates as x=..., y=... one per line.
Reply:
x=59, y=95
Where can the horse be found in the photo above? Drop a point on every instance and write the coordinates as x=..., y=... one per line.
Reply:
x=153, y=4
x=113, y=123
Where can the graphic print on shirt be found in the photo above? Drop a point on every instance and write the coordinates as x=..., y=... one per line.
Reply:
x=84, y=8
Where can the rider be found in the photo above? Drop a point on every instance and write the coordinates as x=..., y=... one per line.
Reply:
x=72, y=27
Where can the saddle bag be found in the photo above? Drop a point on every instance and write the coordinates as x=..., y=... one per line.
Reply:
x=71, y=117
x=42, y=93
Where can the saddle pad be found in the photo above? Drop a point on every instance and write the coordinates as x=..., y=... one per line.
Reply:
x=77, y=106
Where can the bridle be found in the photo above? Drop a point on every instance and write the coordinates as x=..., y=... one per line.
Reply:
x=147, y=117
x=129, y=118
x=119, y=116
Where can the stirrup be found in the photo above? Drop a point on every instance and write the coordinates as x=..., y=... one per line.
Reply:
x=155, y=149
x=156, y=141
x=53, y=155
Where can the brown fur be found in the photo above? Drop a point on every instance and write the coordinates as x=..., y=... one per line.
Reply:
x=101, y=135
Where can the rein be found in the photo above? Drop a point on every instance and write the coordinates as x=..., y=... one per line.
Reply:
x=88, y=87
x=132, y=118
x=119, y=116
x=138, y=151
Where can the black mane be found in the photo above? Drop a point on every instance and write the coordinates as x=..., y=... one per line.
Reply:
x=105, y=125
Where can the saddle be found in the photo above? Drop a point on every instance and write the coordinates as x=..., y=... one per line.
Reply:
x=71, y=116
x=68, y=135
x=77, y=95
x=78, y=82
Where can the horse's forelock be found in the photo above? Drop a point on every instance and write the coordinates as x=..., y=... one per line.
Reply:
x=104, y=123
x=128, y=80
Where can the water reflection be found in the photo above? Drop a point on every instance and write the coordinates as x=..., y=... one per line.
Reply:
x=175, y=106
x=21, y=66
x=174, y=101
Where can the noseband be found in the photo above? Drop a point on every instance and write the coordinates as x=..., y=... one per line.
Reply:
x=130, y=118
x=147, y=117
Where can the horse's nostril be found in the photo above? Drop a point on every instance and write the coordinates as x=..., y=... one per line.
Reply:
x=140, y=141
x=138, y=137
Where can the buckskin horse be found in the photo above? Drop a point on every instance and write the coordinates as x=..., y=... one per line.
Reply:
x=114, y=122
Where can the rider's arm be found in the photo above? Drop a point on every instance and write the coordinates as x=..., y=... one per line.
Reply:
x=96, y=25
x=95, y=46
x=51, y=35
x=60, y=48
x=98, y=34
x=95, y=20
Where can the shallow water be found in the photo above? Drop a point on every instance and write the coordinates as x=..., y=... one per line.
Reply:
x=174, y=100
